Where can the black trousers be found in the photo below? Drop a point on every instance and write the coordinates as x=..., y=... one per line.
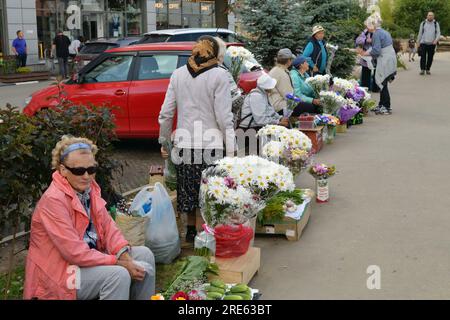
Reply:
x=385, y=96
x=426, y=60
x=304, y=107
x=21, y=60
x=366, y=74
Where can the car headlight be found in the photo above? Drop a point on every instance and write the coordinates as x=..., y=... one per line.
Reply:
x=28, y=100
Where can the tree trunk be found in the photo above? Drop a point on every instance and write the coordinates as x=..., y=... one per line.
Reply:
x=221, y=10
x=11, y=260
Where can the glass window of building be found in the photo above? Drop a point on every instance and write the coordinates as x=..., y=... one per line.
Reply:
x=175, y=14
x=134, y=18
x=92, y=19
x=171, y=14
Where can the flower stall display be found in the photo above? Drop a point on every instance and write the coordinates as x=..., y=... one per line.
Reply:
x=321, y=173
x=290, y=147
x=331, y=101
x=319, y=83
x=239, y=56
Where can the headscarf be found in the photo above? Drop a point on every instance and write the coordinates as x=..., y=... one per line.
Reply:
x=204, y=56
x=374, y=21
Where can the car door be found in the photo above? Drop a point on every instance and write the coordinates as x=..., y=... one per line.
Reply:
x=108, y=83
x=148, y=89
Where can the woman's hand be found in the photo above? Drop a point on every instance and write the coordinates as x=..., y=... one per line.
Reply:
x=316, y=102
x=315, y=69
x=136, y=273
x=284, y=122
x=164, y=153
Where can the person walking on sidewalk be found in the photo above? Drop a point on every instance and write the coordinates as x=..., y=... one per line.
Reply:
x=383, y=51
x=429, y=34
x=61, y=45
x=19, y=48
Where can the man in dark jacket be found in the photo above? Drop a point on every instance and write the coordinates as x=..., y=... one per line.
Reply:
x=316, y=51
x=61, y=45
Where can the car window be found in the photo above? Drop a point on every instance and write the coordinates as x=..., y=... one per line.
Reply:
x=112, y=69
x=157, y=66
x=97, y=48
x=182, y=61
x=154, y=38
x=182, y=38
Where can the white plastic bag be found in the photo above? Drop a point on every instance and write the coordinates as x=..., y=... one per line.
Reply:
x=161, y=235
x=142, y=203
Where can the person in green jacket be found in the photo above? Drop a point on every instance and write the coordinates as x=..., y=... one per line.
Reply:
x=299, y=74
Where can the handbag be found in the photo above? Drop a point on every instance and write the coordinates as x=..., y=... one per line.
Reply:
x=420, y=51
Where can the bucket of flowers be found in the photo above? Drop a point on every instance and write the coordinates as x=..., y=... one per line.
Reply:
x=233, y=193
x=330, y=122
x=289, y=147
x=321, y=173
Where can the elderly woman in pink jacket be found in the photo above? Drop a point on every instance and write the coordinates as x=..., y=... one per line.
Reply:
x=76, y=251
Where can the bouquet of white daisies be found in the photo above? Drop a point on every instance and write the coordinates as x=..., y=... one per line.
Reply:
x=319, y=83
x=331, y=101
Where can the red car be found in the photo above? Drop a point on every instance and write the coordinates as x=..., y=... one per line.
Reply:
x=135, y=79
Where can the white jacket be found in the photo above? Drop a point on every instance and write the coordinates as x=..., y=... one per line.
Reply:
x=203, y=107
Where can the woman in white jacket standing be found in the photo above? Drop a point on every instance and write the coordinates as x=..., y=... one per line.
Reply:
x=199, y=93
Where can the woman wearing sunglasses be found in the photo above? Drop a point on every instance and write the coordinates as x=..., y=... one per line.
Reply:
x=76, y=251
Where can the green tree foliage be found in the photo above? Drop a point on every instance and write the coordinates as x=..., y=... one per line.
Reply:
x=386, y=10
x=272, y=25
x=410, y=13
x=276, y=24
x=343, y=21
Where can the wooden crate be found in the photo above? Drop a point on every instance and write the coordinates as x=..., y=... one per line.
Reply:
x=316, y=136
x=238, y=270
x=289, y=227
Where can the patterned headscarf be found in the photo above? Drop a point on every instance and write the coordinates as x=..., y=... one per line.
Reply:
x=204, y=56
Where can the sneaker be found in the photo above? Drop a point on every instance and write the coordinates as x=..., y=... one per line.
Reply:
x=385, y=111
x=422, y=72
x=376, y=110
x=428, y=72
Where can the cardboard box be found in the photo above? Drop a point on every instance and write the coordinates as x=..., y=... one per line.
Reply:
x=238, y=270
x=289, y=227
x=316, y=136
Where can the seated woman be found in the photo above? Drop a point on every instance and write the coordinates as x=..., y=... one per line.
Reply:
x=303, y=90
x=76, y=251
x=257, y=110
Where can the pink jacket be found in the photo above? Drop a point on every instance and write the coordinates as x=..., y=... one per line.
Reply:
x=57, y=229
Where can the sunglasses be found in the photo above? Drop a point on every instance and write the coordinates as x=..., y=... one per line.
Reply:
x=81, y=171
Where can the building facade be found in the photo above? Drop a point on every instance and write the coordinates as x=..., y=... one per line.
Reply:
x=94, y=19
